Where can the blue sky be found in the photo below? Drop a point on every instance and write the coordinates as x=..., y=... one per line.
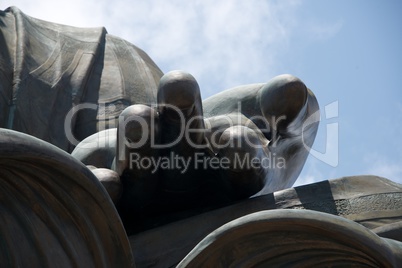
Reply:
x=347, y=52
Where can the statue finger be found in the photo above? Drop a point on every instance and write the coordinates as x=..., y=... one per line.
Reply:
x=137, y=131
x=244, y=152
x=282, y=100
x=180, y=108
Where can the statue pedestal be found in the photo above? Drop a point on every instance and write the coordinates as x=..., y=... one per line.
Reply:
x=374, y=202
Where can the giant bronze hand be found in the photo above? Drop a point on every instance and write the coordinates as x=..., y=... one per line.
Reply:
x=170, y=158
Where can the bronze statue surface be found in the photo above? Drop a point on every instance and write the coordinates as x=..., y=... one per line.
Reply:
x=54, y=212
x=68, y=84
x=47, y=69
x=116, y=153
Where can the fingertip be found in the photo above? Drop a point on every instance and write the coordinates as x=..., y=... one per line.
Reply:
x=283, y=97
x=178, y=88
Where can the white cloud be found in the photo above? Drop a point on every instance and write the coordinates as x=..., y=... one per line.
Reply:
x=222, y=44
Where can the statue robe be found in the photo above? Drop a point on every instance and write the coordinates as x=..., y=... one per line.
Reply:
x=47, y=69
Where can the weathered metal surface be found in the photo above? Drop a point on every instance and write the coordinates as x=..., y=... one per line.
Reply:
x=325, y=196
x=293, y=238
x=53, y=210
x=58, y=67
